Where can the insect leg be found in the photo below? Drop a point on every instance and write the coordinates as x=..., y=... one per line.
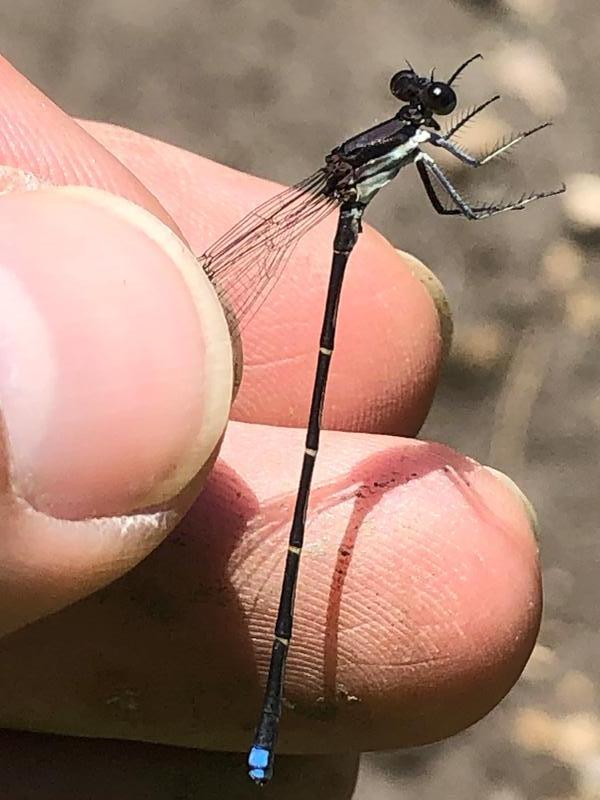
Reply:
x=467, y=117
x=473, y=161
x=425, y=165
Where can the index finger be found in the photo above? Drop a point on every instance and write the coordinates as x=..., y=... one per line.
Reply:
x=390, y=343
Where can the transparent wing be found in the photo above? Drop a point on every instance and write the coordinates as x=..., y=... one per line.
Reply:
x=246, y=262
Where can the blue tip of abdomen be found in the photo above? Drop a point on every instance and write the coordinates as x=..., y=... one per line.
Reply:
x=259, y=761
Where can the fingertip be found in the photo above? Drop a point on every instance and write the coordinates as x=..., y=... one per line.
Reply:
x=518, y=493
x=420, y=599
x=435, y=289
x=124, y=392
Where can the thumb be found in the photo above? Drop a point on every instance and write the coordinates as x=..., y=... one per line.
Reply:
x=115, y=386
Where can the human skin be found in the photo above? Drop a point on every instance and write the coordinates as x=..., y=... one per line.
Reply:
x=420, y=595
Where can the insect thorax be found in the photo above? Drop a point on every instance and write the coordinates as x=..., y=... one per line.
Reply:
x=360, y=177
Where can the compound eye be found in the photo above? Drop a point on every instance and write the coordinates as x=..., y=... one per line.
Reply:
x=403, y=85
x=440, y=98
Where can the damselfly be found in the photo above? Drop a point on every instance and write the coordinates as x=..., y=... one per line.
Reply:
x=246, y=262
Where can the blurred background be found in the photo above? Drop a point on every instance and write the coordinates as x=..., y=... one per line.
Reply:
x=269, y=88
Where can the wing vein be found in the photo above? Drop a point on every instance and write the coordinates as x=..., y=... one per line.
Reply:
x=247, y=261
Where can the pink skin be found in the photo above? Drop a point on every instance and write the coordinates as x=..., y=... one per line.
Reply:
x=420, y=592
x=72, y=410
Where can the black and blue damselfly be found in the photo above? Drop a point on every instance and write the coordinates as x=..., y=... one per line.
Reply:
x=246, y=262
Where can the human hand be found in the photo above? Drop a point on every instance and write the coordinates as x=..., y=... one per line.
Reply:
x=419, y=596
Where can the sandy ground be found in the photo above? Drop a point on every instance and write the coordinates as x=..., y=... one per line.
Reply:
x=269, y=88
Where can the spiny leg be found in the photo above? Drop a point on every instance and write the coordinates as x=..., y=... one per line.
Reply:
x=467, y=117
x=464, y=209
x=472, y=161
